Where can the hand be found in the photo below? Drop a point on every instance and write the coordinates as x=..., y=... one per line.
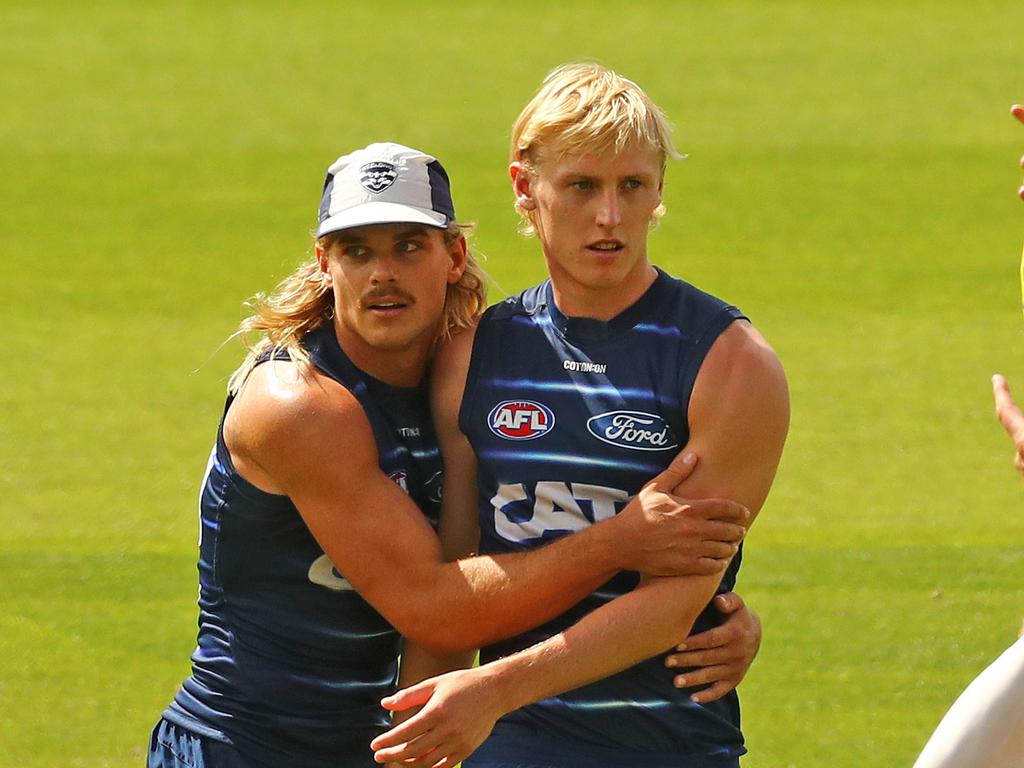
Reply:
x=458, y=712
x=1010, y=417
x=720, y=656
x=663, y=535
x=1018, y=111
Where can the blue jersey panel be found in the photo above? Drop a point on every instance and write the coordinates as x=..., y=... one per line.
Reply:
x=291, y=662
x=569, y=417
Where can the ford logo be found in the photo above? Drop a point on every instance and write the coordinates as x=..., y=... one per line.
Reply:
x=632, y=429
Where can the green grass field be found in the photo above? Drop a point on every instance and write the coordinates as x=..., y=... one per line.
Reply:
x=850, y=184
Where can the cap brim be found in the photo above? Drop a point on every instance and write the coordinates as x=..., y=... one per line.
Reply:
x=368, y=214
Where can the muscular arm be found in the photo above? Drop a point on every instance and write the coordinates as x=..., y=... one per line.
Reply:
x=305, y=436
x=739, y=415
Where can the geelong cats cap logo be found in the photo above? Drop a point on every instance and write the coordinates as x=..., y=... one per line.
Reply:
x=377, y=176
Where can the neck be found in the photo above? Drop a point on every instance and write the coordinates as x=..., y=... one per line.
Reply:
x=399, y=367
x=602, y=302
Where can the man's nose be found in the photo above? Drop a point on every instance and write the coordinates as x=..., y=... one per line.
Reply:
x=608, y=213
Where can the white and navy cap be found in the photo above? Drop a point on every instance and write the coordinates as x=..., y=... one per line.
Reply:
x=385, y=184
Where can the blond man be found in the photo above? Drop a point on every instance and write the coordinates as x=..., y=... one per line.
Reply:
x=317, y=549
x=557, y=407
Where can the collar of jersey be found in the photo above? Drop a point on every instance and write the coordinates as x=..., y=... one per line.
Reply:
x=327, y=355
x=590, y=329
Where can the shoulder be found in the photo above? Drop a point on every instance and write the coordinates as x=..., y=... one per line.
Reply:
x=739, y=415
x=285, y=413
x=283, y=396
x=741, y=377
x=526, y=302
x=742, y=345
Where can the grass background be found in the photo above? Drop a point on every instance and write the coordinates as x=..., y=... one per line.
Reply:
x=849, y=184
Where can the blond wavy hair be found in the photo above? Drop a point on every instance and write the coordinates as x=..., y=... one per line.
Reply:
x=304, y=301
x=587, y=108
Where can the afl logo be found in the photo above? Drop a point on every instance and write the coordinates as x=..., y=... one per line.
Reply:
x=632, y=429
x=376, y=177
x=520, y=420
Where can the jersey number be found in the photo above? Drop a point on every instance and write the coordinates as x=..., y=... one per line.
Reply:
x=552, y=508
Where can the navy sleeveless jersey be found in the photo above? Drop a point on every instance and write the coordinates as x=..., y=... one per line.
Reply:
x=291, y=662
x=569, y=417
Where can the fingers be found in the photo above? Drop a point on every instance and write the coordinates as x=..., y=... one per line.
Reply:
x=715, y=692
x=433, y=750
x=682, y=467
x=419, y=751
x=1000, y=390
x=709, y=658
x=715, y=530
x=409, y=697
x=728, y=602
x=413, y=728
x=1007, y=412
x=721, y=674
x=716, y=637
x=719, y=509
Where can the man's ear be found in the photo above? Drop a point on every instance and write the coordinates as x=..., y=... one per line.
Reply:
x=321, y=257
x=521, y=185
x=459, y=252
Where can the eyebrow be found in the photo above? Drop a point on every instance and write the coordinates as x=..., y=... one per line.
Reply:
x=413, y=230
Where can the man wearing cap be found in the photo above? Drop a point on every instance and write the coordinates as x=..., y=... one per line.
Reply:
x=317, y=549
x=625, y=365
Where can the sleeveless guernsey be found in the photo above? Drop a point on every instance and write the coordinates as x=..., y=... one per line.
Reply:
x=291, y=662
x=569, y=417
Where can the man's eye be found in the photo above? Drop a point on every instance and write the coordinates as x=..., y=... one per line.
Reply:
x=583, y=185
x=407, y=246
x=633, y=184
x=356, y=251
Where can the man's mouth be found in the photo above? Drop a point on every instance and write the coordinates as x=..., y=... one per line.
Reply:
x=606, y=246
x=386, y=302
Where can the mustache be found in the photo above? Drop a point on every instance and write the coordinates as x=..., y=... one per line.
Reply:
x=379, y=295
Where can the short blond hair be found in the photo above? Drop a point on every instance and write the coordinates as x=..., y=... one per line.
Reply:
x=588, y=108
x=304, y=301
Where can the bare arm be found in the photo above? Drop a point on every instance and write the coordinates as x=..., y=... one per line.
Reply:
x=306, y=436
x=1010, y=417
x=739, y=416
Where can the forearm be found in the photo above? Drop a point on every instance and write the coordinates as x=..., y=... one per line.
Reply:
x=487, y=598
x=618, y=635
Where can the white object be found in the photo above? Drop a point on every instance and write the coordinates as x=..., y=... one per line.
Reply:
x=985, y=726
